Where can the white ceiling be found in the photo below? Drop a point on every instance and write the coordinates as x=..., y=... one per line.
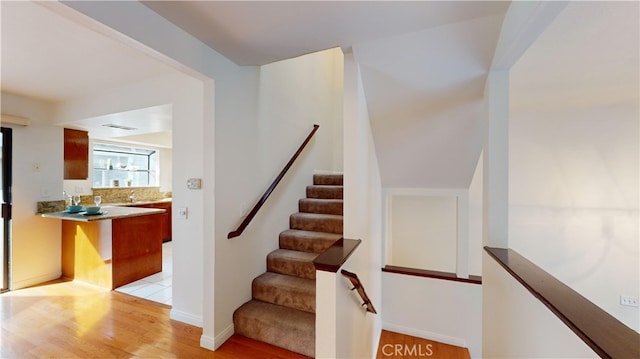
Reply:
x=48, y=57
x=260, y=32
x=423, y=64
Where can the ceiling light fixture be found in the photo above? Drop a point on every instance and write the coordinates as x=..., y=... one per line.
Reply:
x=119, y=127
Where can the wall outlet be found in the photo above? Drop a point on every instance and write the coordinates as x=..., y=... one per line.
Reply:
x=79, y=189
x=628, y=301
x=183, y=212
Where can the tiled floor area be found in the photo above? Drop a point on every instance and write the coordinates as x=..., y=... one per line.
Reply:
x=156, y=287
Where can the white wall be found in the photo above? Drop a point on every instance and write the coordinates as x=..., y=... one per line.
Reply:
x=440, y=310
x=165, y=180
x=424, y=232
x=574, y=199
x=357, y=331
x=35, y=245
x=293, y=96
x=224, y=142
x=475, y=220
x=518, y=325
x=574, y=147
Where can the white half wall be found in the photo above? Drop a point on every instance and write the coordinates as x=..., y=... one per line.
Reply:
x=517, y=325
x=441, y=310
x=36, y=241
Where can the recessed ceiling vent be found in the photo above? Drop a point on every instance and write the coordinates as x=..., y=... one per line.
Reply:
x=120, y=127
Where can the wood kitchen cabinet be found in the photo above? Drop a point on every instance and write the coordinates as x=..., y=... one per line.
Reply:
x=76, y=154
x=112, y=252
x=164, y=219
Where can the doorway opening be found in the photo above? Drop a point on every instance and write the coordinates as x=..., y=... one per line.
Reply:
x=6, y=144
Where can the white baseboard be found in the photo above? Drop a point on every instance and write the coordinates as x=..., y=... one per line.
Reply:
x=35, y=280
x=425, y=334
x=215, y=343
x=186, y=317
x=208, y=342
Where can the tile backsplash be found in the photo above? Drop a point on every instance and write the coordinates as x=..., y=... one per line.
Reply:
x=121, y=194
x=50, y=206
x=109, y=195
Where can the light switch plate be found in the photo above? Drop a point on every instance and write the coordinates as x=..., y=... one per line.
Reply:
x=183, y=212
x=194, y=183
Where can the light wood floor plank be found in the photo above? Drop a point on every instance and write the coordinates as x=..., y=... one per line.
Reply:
x=399, y=346
x=65, y=319
x=72, y=320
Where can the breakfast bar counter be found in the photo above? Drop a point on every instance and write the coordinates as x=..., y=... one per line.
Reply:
x=106, y=212
x=111, y=249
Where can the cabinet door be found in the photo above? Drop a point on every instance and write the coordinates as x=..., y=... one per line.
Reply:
x=76, y=154
x=164, y=220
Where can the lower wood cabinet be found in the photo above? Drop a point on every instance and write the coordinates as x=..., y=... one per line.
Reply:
x=164, y=219
x=111, y=253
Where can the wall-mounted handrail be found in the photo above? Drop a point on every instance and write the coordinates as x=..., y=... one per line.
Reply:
x=357, y=285
x=273, y=185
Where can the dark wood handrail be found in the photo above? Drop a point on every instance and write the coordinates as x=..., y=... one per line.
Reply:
x=602, y=332
x=273, y=185
x=357, y=285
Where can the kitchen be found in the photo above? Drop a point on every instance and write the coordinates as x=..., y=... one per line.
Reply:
x=134, y=255
x=107, y=82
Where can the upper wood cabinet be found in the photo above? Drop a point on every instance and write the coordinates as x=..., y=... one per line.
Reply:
x=76, y=154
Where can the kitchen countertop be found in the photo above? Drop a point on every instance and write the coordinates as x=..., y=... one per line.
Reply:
x=109, y=212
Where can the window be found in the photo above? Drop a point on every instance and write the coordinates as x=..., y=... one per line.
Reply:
x=115, y=166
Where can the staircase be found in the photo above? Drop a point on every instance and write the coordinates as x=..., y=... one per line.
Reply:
x=282, y=311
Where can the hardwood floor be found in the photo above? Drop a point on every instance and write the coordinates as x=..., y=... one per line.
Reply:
x=72, y=320
x=400, y=346
x=65, y=319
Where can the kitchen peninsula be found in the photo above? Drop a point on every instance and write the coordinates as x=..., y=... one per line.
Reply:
x=119, y=246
